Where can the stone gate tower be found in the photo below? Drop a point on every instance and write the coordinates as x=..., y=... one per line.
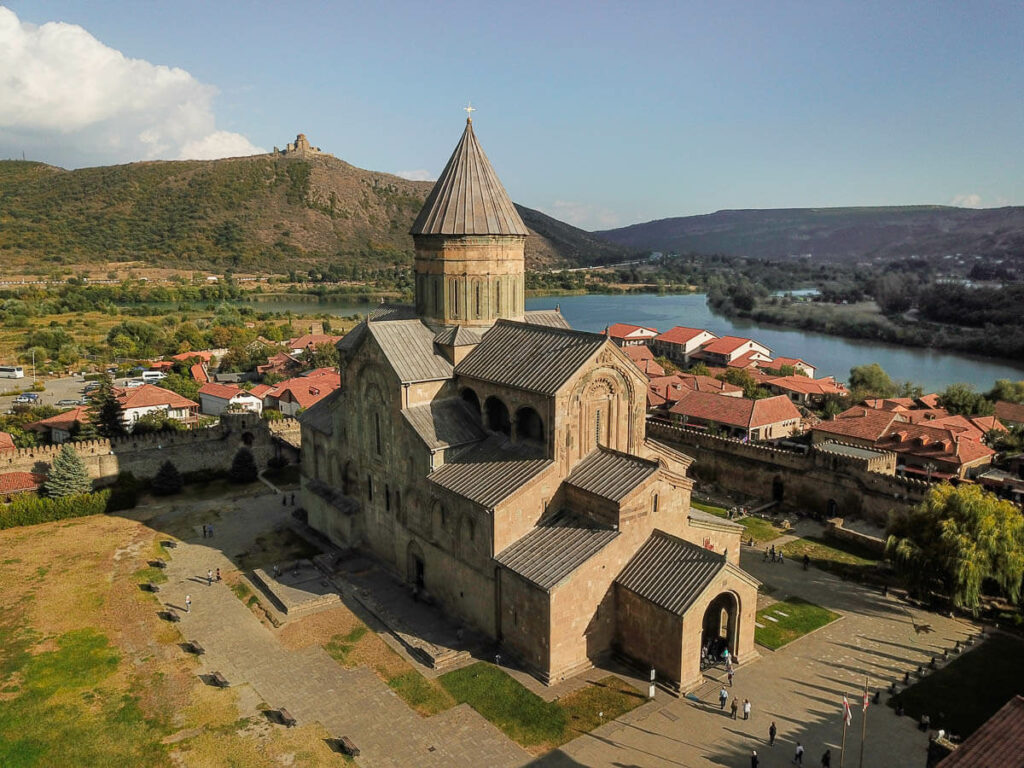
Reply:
x=469, y=244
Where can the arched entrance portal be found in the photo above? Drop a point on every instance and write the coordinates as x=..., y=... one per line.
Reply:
x=719, y=629
x=415, y=568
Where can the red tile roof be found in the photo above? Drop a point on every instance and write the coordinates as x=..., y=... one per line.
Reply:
x=6, y=441
x=1012, y=412
x=793, y=362
x=929, y=401
x=260, y=390
x=307, y=391
x=622, y=330
x=998, y=742
x=64, y=420
x=223, y=391
x=806, y=386
x=311, y=340
x=21, y=482
x=860, y=422
x=149, y=395
x=725, y=345
x=199, y=373
x=162, y=365
x=681, y=335
x=746, y=360
x=202, y=354
x=736, y=411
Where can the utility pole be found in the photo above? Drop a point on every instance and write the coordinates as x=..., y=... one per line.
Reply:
x=863, y=723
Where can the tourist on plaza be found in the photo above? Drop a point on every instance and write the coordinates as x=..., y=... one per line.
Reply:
x=218, y=574
x=798, y=757
x=826, y=759
x=209, y=577
x=730, y=673
x=753, y=758
x=772, y=730
x=723, y=697
x=766, y=554
x=735, y=707
x=746, y=709
x=188, y=603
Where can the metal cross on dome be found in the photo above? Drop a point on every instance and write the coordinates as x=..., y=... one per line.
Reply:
x=469, y=110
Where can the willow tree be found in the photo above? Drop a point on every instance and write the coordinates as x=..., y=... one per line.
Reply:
x=957, y=539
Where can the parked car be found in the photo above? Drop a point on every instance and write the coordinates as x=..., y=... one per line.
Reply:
x=68, y=403
x=133, y=383
x=27, y=397
x=91, y=386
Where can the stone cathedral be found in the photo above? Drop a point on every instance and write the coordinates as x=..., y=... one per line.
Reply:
x=497, y=461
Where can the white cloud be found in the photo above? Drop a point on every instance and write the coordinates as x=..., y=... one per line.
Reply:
x=420, y=175
x=67, y=96
x=972, y=200
x=583, y=215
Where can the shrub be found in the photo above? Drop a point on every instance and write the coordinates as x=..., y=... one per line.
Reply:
x=167, y=480
x=31, y=510
x=124, y=493
x=243, y=467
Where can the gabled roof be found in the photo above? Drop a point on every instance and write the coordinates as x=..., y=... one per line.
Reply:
x=860, y=422
x=386, y=312
x=1012, y=412
x=311, y=340
x=610, y=474
x=222, y=391
x=555, y=548
x=793, y=362
x=490, y=472
x=261, y=390
x=409, y=347
x=6, y=441
x=998, y=742
x=457, y=336
x=531, y=357
x=64, y=420
x=318, y=416
x=670, y=572
x=681, y=335
x=747, y=359
x=306, y=392
x=444, y=423
x=150, y=395
x=806, y=386
x=21, y=482
x=203, y=354
x=468, y=198
x=199, y=373
x=736, y=411
x=549, y=317
x=725, y=345
x=625, y=330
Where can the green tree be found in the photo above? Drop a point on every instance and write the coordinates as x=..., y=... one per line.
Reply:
x=957, y=539
x=871, y=381
x=699, y=369
x=68, y=475
x=167, y=480
x=741, y=377
x=243, y=467
x=1008, y=391
x=185, y=386
x=106, y=411
x=962, y=399
x=156, y=421
x=321, y=356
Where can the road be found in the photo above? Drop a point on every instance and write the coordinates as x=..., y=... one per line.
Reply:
x=67, y=388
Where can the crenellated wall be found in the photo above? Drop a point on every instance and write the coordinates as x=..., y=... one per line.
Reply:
x=828, y=485
x=190, y=450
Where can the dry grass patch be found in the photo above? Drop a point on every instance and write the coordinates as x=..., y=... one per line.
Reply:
x=317, y=629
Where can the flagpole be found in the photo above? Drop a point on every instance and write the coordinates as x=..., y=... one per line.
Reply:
x=842, y=749
x=863, y=723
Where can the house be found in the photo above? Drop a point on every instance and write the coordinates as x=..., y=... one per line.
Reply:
x=301, y=392
x=644, y=359
x=671, y=388
x=795, y=363
x=1010, y=414
x=6, y=442
x=805, y=391
x=300, y=344
x=13, y=483
x=679, y=343
x=215, y=398
x=139, y=401
x=204, y=355
x=625, y=335
x=733, y=352
x=770, y=418
x=199, y=373
x=62, y=426
x=859, y=425
x=281, y=364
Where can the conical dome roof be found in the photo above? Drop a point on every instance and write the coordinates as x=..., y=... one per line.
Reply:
x=468, y=199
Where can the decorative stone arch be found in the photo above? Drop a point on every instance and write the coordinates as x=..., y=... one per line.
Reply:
x=498, y=419
x=472, y=399
x=720, y=625
x=529, y=425
x=333, y=469
x=415, y=566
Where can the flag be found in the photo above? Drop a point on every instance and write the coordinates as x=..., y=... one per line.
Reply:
x=865, y=700
x=847, y=715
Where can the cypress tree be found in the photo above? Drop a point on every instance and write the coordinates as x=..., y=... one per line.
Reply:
x=68, y=474
x=243, y=467
x=167, y=480
x=106, y=412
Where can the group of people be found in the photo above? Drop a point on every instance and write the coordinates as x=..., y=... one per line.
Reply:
x=772, y=555
x=798, y=753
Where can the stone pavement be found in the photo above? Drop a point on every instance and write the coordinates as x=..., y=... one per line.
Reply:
x=309, y=683
x=800, y=687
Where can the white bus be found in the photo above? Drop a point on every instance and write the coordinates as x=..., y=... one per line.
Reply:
x=11, y=372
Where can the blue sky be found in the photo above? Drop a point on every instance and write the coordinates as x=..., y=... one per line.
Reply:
x=602, y=114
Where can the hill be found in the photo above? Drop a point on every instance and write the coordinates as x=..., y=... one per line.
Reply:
x=266, y=213
x=835, y=234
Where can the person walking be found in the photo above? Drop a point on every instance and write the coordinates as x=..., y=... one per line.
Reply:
x=218, y=574
x=746, y=709
x=723, y=696
x=188, y=603
x=753, y=759
x=766, y=554
x=798, y=756
x=773, y=553
x=734, y=707
x=210, y=529
x=772, y=730
x=826, y=759
x=730, y=675
x=209, y=577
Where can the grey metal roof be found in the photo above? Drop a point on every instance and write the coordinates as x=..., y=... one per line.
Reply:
x=670, y=572
x=491, y=471
x=468, y=198
x=319, y=416
x=552, y=318
x=531, y=357
x=707, y=517
x=445, y=423
x=555, y=548
x=385, y=312
x=610, y=474
x=351, y=340
x=457, y=336
x=409, y=347
x=848, y=450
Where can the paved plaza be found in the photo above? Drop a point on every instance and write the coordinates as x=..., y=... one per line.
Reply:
x=800, y=686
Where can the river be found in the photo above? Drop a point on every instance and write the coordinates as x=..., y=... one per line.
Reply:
x=832, y=355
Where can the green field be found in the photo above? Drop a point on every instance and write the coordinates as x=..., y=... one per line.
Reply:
x=790, y=618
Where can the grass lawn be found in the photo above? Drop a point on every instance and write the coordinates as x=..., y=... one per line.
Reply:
x=969, y=689
x=759, y=530
x=278, y=546
x=710, y=509
x=800, y=618
x=528, y=719
x=286, y=476
x=829, y=551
